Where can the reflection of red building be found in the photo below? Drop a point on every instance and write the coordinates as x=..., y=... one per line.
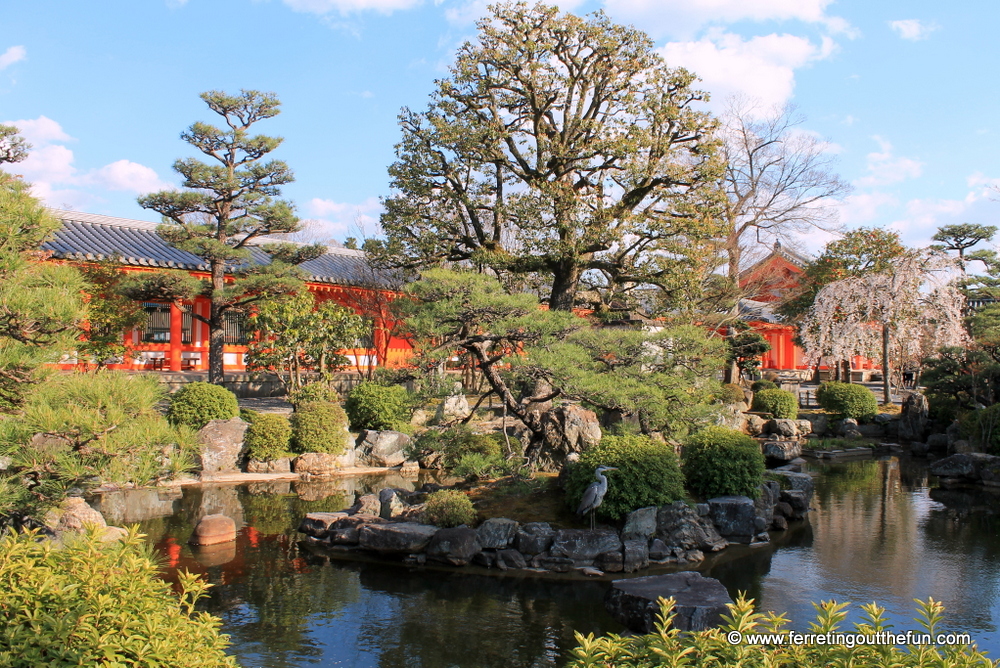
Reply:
x=171, y=339
x=767, y=282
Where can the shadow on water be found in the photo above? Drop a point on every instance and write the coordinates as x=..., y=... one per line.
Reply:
x=878, y=531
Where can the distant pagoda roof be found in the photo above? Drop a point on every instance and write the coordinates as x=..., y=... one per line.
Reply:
x=778, y=250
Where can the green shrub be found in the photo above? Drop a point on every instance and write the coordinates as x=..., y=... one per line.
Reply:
x=196, y=404
x=319, y=427
x=667, y=646
x=847, y=400
x=92, y=604
x=247, y=415
x=731, y=393
x=982, y=428
x=478, y=466
x=449, y=508
x=267, y=437
x=455, y=442
x=720, y=462
x=648, y=475
x=759, y=385
x=371, y=406
x=779, y=403
x=314, y=392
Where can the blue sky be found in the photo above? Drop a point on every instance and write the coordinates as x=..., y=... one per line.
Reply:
x=900, y=90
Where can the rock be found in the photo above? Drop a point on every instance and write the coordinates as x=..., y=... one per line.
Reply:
x=368, y=504
x=640, y=523
x=700, y=602
x=511, y=559
x=755, y=425
x=556, y=564
x=937, y=443
x=486, y=559
x=222, y=445
x=409, y=467
x=691, y=556
x=783, y=509
x=733, y=517
x=398, y=537
x=764, y=504
x=456, y=546
x=733, y=417
x=919, y=449
x=635, y=555
x=383, y=448
x=779, y=523
x=658, y=550
x=797, y=501
x=392, y=503
x=913, y=418
x=431, y=461
x=883, y=418
x=283, y=465
x=567, y=429
x=318, y=525
x=214, y=529
x=679, y=525
x=591, y=572
x=787, y=429
x=581, y=545
x=782, y=451
x=853, y=434
x=420, y=418
x=820, y=423
x=75, y=515
x=610, y=562
x=802, y=482
x=455, y=407
x=497, y=533
x=805, y=427
x=961, y=447
x=350, y=457
x=534, y=538
x=846, y=425
x=966, y=466
x=989, y=471
x=214, y=555
x=316, y=464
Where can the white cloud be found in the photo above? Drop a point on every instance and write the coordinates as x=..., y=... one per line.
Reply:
x=350, y=6
x=684, y=17
x=862, y=208
x=12, y=55
x=913, y=29
x=341, y=219
x=41, y=130
x=127, y=175
x=761, y=67
x=467, y=12
x=884, y=168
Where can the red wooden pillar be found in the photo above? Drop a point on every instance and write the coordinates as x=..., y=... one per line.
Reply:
x=176, y=336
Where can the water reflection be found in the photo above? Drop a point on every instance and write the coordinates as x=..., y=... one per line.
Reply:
x=878, y=532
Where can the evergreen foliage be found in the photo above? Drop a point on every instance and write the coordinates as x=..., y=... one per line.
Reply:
x=314, y=392
x=268, y=437
x=759, y=385
x=721, y=462
x=779, y=403
x=88, y=603
x=648, y=475
x=449, y=508
x=982, y=428
x=197, y=403
x=847, y=400
x=319, y=427
x=731, y=393
x=379, y=407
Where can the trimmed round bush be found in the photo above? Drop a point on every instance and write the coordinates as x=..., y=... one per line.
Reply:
x=196, y=404
x=779, y=403
x=371, y=406
x=89, y=603
x=648, y=475
x=759, y=385
x=267, y=437
x=456, y=442
x=722, y=462
x=847, y=400
x=449, y=508
x=319, y=427
x=314, y=392
x=982, y=428
x=731, y=393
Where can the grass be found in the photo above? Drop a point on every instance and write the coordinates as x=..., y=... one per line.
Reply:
x=535, y=499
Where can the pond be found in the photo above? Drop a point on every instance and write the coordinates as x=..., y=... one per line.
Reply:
x=878, y=532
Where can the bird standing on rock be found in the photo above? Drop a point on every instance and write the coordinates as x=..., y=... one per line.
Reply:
x=594, y=495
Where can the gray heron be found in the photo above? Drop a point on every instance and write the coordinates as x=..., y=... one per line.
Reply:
x=594, y=494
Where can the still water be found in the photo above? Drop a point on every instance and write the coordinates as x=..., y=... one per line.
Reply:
x=878, y=532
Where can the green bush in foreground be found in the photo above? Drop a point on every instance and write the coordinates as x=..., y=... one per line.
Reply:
x=759, y=385
x=196, y=404
x=93, y=604
x=720, y=462
x=314, y=392
x=449, y=508
x=847, y=400
x=648, y=475
x=371, y=406
x=319, y=427
x=712, y=648
x=779, y=403
x=268, y=436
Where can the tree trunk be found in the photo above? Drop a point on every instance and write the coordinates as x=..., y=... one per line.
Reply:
x=847, y=371
x=565, y=282
x=886, y=395
x=217, y=326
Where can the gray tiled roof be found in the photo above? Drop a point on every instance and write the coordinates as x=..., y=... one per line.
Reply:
x=87, y=236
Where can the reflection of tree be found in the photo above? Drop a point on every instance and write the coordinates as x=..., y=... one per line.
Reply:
x=835, y=480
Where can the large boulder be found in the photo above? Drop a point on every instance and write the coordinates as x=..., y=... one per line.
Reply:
x=679, y=525
x=392, y=503
x=794, y=503
x=456, y=546
x=566, y=430
x=400, y=537
x=968, y=467
x=534, y=538
x=802, y=482
x=913, y=418
x=767, y=499
x=455, y=407
x=214, y=529
x=635, y=555
x=316, y=464
x=282, y=465
x=734, y=517
x=383, y=448
x=583, y=546
x=784, y=428
x=640, y=523
x=76, y=516
x=222, y=445
x=318, y=525
x=497, y=533
x=700, y=602
x=756, y=425
x=733, y=417
x=781, y=452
